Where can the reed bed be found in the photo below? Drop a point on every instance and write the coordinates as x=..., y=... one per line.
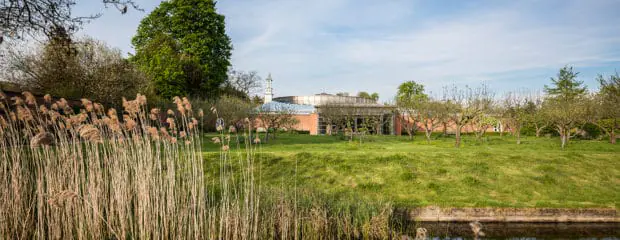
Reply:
x=86, y=172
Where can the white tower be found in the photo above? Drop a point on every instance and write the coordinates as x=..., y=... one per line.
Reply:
x=268, y=89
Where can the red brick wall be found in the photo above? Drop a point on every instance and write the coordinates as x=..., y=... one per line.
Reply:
x=306, y=122
x=399, y=130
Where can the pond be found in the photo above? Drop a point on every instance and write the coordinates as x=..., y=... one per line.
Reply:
x=529, y=231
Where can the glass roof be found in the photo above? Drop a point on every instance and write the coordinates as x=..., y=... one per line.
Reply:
x=280, y=106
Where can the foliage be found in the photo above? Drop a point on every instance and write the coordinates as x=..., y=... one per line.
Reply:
x=183, y=46
x=516, y=109
x=567, y=103
x=409, y=98
x=566, y=86
x=482, y=123
x=606, y=106
x=78, y=69
x=233, y=110
x=538, y=114
x=466, y=105
x=410, y=92
x=373, y=96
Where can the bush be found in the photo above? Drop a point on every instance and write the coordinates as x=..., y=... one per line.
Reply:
x=77, y=69
x=590, y=131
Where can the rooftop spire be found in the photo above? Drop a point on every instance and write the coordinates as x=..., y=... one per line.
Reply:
x=268, y=89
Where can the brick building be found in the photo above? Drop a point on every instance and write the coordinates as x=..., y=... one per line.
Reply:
x=326, y=113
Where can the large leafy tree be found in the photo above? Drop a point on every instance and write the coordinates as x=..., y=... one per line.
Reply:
x=409, y=99
x=183, y=46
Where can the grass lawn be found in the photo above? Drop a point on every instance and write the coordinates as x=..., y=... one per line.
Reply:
x=492, y=173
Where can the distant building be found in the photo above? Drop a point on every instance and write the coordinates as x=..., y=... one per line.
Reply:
x=326, y=113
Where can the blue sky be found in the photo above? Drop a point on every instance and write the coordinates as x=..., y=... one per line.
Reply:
x=355, y=45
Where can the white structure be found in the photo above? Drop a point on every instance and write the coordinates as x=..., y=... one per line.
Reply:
x=268, y=89
x=324, y=99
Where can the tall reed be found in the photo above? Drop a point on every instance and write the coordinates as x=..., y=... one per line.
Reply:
x=139, y=173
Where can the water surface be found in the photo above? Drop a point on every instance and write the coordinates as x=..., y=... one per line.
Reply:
x=529, y=231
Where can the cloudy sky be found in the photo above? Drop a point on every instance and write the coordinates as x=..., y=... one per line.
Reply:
x=357, y=45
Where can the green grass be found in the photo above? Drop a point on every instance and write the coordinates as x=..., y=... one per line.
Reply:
x=493, y=173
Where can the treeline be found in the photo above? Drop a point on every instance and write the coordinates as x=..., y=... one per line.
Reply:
x=565, y=106
x=181, y=49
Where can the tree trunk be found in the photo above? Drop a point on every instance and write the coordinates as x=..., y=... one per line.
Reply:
x=564, y=139
x=361, y=135
x=479, y=133
x=518, y=135
x=458, y=137
x=538, y=129
x=501, y=129
x=266, y=135
x=563, y=136
x=428, y=132
x=445, y=128
x=612, y=134
x=328, y=129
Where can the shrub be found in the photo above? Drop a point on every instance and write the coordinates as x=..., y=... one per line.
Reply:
x=78, y=69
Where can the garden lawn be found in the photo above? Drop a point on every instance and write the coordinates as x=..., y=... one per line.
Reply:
x=495, y=172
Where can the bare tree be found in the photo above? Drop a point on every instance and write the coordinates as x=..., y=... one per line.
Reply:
x=538, y=114
x=607, y=106
x=445, y=108
x=275, y=116
x=409, y=117
x=567, y=115
x=515, y=112
x=248, y=83
x=481, y=124
x=467, y=104
x=431, y=113
x=332, y=116
x=234, y=110
x=30, y=17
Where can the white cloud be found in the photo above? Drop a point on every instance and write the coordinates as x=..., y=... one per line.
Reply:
x=314, y=46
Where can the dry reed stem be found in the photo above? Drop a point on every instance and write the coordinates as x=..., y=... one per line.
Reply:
x=95, y=176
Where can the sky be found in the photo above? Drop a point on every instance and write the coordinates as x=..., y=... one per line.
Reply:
x=334, y=46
